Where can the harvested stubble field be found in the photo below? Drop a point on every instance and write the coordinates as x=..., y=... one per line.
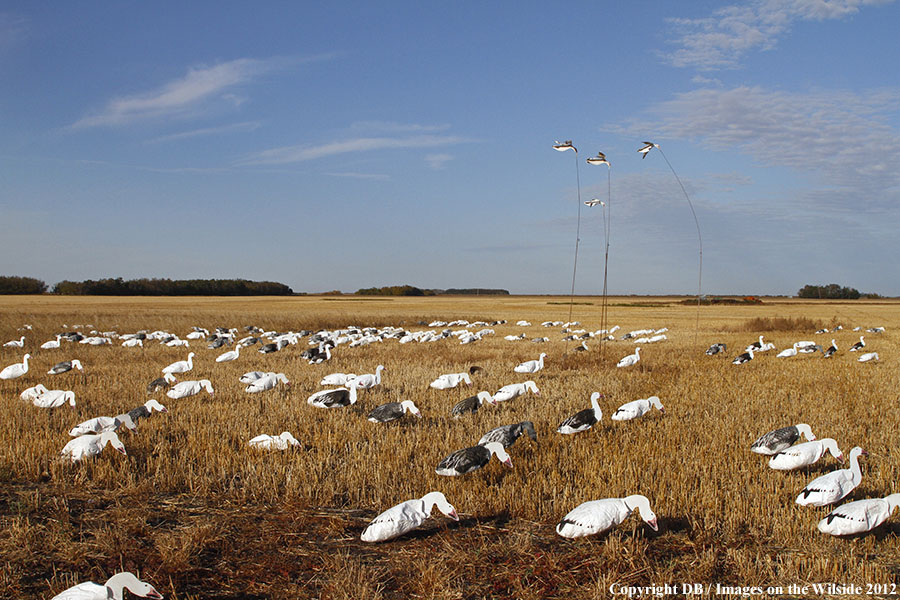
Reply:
x=200, y=515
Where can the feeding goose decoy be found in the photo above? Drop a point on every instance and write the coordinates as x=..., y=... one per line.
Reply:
x=508, y=434
x=637, y=408
x=868, y=356
x=336, y=398
x=781, y=439
x=16, y=370
x=804, y=455
x=162, y=383
x=471, y=404
x=274, y=442
x=86, y=446
x=251, y=376
x=143, y=411
x=337, y=379
x=392, y=411
x=583, y=419
x=112, y=589
x=450, y=380
x=831, y=487
x=596, y=516
x=513, y=390
x=33, y=392
x=54, y=399
x=406, y=516
x=859, y=516
x=101, y=424
x=64, y=366
x=267, y=382
x=472, y=458
x=716, y=349
x=189, y=388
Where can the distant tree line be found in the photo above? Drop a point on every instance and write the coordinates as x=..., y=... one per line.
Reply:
x=170, y=287
x=409, y=290
x=21, y=285
x=832, y=291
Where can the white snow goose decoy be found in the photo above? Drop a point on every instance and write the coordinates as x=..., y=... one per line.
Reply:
x=781, y=439
x=631, y=359
x=337, y=378
x=583, y=419
x=19, y=343
x=637, y=408
x=87, y=446
x=788, y=352
x=508, y=434
x=181, y=366
x=189, y=388
x=368, y=380
x=860, y=516
x=804, y=455
x=230, y=355
x=831, y=487
x=868, y=356
x=274, y=442
x=716, y=349
x=471, y=404
x=251, y=376
x=392, y=411
x=597, y=516
x=406, y=516
x=267, y=382
x=531, y=366
x=16, y=370
x=161, y=383
x=513, y=390
x=143, y=411
x=33, y=392
x=743, y=358
x=450, y=380
x=54, y=399
x=101, y=424
x=472, y=458
x=336, y=398
x=52, y=344
x=111, y=590
x=65, y=366
x=858, y=345
x=831, y=350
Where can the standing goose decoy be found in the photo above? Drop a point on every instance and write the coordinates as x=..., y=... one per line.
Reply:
x=392, y=411
x=450, y=380
x=508, y=434
x=161, y=383
x=513, y=390
x=831, y=487
x=101, y=424
x=637, y=408
x=583, y=419
x=804, y=455
x=189, y=388
x=860, y=516
x=369, y=380
x=337, y=378
x=54, y=399
x=471, y=404
x=337, y=398
x=143, y=411
x=19, y=343
x=230, y=355
x=583, y=347
x=832, y=349
x=631, y=359
x=181, y=366
x=66, y=365
x=111, y=590
x=596, y=516
x=868, y=356
x=781, y=439
x=267, y=382
x=406, y=516
x=472, y=458
x=858, y=345
x=274, y=442
x=86, y=446
x=16, y=370
x=52, y=344
x=716, y=348
x=788, y=352
x=531, y=366
x=743, y=358
x=755, y=346
x=33, y=392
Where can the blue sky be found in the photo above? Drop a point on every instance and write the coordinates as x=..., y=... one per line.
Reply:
x=359, y=144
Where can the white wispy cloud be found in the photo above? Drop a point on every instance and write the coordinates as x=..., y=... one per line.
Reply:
x=722, y=39
x=302, y=153
x=182, y=95
x=230, y=128
x=383, y=127
x=438, y=161
x=369, y=176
